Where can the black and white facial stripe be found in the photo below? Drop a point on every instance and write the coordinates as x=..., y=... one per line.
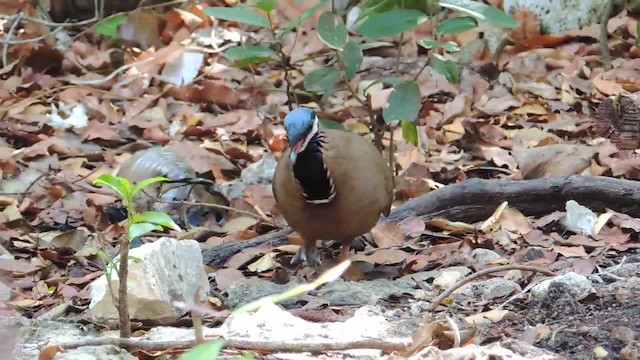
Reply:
x=310, y=171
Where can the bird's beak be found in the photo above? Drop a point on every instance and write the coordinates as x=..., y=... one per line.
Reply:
x=293, y=155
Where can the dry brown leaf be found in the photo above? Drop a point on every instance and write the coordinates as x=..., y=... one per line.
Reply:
x=532, y=335
x=493, y=220
x=226, y=277
x=244, y=256
x=499, y=156
x=382, y=256
x=387, y=235
x=513, y=220
x=570, y=251
x=553, y=160
x=489, y=317
x=412, y=226
x=497, y=106
x=451, y=227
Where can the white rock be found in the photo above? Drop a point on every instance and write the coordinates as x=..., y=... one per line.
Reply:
x=168, y=270
x=579, y=284
x=559, y=16
x=272, y=324
x=579, y=219
x=447, y=278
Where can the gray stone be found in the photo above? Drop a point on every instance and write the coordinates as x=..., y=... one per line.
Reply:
x=12, y=332
x=579, y=285
x=246, y=290
x=340, y=292
x=489, y=289
x=46, y=332
x=105, y=352
x=625, y=270
x=483, y=256
x=432, y=274
x=166, y=271
x=365, y=292
x=559, y=16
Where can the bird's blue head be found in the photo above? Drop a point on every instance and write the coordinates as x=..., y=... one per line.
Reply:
x=300, y=124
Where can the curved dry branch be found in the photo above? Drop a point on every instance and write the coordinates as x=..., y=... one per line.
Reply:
x=475, y=199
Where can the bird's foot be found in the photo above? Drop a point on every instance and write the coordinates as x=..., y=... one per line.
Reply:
x=344, y=252
x=307, y=254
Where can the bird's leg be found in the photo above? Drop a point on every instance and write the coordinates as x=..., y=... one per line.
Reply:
x=308, y=254
x=344, y=251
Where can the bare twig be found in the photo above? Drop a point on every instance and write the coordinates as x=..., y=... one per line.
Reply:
x=12, y=30
x=480, y=273
x=50, y=23
x=6, y=41
x=196, y=317
x=604, y=34
x=123, y=303
x=387, y=344
x=110, y=76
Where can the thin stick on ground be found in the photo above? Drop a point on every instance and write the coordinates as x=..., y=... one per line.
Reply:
x=474, y=276
x=388, y=345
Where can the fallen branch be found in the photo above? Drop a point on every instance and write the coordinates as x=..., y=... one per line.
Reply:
x=484, y=272
x=388, y=345
x=475, y=199
x=218, y=255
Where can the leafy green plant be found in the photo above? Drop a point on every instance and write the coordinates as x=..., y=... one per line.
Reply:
x=247, y=55
x=109, y=25
x=137, y=224
x=393, y=17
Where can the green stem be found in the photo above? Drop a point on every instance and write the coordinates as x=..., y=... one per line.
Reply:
x=291, y=96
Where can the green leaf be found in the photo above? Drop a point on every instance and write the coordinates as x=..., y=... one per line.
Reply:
x=266, y=5
x=450, y=46
x=409, y=131
x=206, y=350
x=351, y=59
x=375, y=44
x=428, y=43
x=118, y=184
x=330, y=124
x=392, y=22
x=109, y=26
x=375, y=7
x=297, y=21
x=493, y=16
x=140, y=229
x=331, y=30
x=403, y=103
x=321, y=80
x=456, y=25
x=448, y=68
x=389, y=80
x=239, y=14
x=146, y=182
x=249, y=54
x=155, y=217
